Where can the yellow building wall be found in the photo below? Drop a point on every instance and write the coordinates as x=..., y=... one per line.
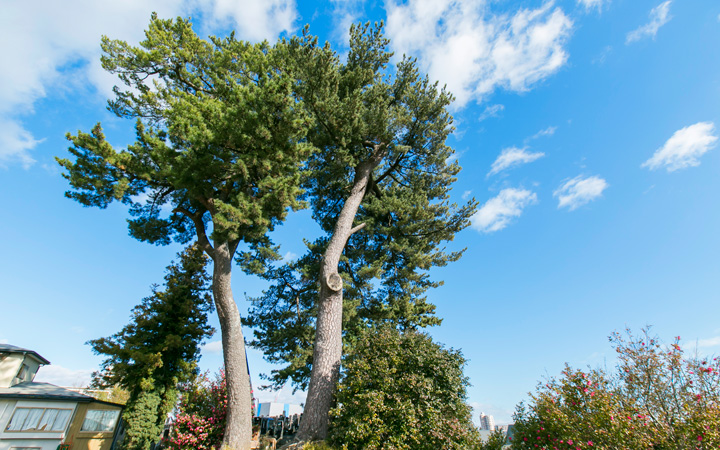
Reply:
x=90, y=440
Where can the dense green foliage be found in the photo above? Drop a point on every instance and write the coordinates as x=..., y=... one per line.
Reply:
x=496, y=441
x=395, y=118
x=218, y=134
x=159, y=348
x=657, y=399
x=218, y=156
x=402, y=391
x=201, y=415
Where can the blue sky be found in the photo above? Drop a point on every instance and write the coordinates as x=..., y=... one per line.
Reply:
x=587, y=130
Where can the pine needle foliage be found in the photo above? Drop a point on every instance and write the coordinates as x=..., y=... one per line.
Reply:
x=365, y=110
x=159, y=348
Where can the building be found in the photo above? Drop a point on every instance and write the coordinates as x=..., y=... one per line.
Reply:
x=487, y=422
x=272, y=409
x=42, y=416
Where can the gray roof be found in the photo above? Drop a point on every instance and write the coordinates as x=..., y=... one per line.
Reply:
x=31, y=390
x=7, y=348
x=45, y=391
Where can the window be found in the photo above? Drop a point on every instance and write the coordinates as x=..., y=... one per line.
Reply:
x=39, y=419
x=100, y=420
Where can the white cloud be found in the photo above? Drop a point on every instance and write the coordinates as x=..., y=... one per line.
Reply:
x=15, y=143
x=289, y=256
x=580, y=191
x=475, y=52
x=498, y=212
x=256, y=19
x=592, y=4
x=62, y=376
x=466, y=194
x=709, y=343
x=491, y=111
x=4, y=341
x=49, y=46
x=549, y=131
x=212, y=347
x=659, y=16
x=513, y=157
x=684, y=148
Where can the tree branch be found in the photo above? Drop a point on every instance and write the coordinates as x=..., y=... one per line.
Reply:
x=357, y=228
x=200, y=231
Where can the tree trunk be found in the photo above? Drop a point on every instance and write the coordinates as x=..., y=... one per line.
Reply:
x=238, y=429
x=328, y=334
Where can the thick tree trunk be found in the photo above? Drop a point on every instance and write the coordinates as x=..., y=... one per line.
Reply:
x=328, y=333
x=238, y=430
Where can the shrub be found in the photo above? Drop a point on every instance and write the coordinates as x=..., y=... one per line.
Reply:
x=400, y=390
x=657, y=399
x=200, y=420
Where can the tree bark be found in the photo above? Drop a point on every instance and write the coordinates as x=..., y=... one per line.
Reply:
x=238, y=429
x=327, y=352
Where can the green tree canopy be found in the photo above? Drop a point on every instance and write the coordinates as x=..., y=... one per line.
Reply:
x=159, y=348
x=219, y=144
x=379, y=187
x=402, y=391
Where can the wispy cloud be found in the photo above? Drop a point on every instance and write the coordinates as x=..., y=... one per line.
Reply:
x=289, y=256
x=15, y=143
x=513, y=157
x=491, y=111
x=659, y=16
x=580, y=191
x=62, y=376
x=475, y=52
x=684, y=148
x=549, y=131
x=498, y=212
x=593, y=4
x=709, y=343
x=212, y=347
x=59, y=49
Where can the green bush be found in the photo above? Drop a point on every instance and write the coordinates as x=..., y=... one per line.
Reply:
x=402, y=391
x=321, y=445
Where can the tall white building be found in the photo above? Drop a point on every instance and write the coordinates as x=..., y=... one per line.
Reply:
x=487, y=422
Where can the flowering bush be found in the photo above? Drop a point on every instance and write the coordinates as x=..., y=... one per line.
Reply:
x=657, y=399
x=200, y=420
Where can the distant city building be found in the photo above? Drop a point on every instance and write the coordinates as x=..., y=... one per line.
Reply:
x=273, y=409
x=487, y=422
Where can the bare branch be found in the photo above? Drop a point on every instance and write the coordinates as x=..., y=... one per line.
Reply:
x=357, y=228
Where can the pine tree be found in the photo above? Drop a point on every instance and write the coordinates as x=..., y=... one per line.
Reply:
x=218, y=144
x=379, y=188
x=159, y=348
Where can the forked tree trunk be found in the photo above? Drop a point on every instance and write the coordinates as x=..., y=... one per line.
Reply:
x=328, y=332
x=238, y=429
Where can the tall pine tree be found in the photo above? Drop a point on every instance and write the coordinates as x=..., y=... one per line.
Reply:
x=379, y=188
x=218, y=144
x=159, y=348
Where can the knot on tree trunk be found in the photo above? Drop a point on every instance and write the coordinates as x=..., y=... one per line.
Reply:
x=334, y=282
